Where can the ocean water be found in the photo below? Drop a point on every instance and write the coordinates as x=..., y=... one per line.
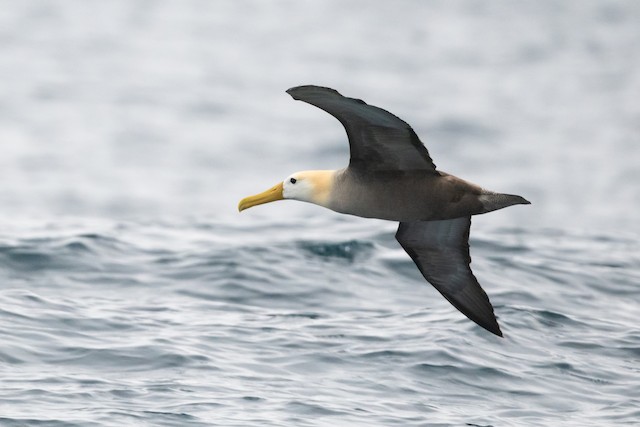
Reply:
x=133, y=293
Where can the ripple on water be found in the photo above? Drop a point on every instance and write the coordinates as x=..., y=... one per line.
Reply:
x=347, y=251
x=315, y=329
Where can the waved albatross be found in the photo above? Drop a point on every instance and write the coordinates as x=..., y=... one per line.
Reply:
x=391, y=176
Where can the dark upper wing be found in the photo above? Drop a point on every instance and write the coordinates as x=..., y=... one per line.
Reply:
x=440, y=249
x=378, y=140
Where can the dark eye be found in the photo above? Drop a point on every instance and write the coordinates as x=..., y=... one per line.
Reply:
x=293, y=180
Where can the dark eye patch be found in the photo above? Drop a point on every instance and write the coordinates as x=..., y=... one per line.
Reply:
x=293, y=180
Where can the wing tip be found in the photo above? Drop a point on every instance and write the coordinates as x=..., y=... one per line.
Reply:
x=297, y=92
x=485, y=320
x=494, y=328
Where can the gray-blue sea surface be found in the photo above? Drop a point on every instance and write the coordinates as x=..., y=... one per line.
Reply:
x=133, y=293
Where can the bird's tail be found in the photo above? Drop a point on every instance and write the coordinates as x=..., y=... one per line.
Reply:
x=494, y=201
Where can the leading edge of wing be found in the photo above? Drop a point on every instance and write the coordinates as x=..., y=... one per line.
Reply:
x=378, y=139
x=440, y=249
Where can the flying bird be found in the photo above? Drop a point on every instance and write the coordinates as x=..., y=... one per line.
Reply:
x=391, y=176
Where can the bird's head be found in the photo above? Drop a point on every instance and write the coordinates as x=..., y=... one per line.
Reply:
x=306, y=186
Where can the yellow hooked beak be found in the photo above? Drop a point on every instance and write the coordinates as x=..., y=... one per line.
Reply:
x=271, y=195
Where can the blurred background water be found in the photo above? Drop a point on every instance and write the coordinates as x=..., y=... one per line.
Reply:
x=132, y=293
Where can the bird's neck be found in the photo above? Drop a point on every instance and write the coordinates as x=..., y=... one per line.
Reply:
x=323, y=183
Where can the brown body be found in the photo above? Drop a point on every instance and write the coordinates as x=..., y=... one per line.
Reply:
x=411, y=196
